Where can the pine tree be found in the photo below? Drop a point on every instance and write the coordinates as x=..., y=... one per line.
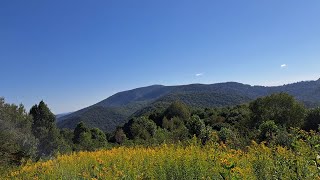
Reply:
x=45, y=130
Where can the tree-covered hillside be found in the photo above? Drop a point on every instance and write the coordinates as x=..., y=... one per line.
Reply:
x=264, y=134
x=117, y=109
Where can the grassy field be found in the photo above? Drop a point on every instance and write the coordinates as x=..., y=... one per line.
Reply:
x=193, y=161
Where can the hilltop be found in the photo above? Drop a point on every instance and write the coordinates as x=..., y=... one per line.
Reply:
x=115, y=110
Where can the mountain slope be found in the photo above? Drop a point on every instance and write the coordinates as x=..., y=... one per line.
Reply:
x=59, y=116
x=115, y=110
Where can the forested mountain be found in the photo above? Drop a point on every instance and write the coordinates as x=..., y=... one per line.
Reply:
x=59, y=116
x=115, y=110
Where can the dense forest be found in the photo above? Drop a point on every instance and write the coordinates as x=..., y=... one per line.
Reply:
x=277, y=119
x=114, y=111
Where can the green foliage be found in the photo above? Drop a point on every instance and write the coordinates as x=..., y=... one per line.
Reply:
x=226, y=134
x=230, y=138
x=236, y=126
x=88, y=139
x=161, y=136
x=195, y=126
x=194, y=98
x=119, y=136
x=266, y=120
x=99, y=139
x=86, y=143
x=180, y=133
x=282, y=108
x=117, y=109
x=177, y=109
x=80, y=129
x=283, y=138
x=208, y=135
x=142, y=128
x=172, y=124
x=16, y=139
x=166, y=124
x=268, y=129
x=43, y=120
x=67, y=135
x=104, y=118
x=45, y=130
x=312, y=120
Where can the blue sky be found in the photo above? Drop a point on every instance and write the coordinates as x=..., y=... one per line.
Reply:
x=73, y=54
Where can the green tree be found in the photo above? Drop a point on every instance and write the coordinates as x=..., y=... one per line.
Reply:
x=225, y=134
x=143, y=128
x=180, y=133
x=88, y=139
x=119, y=136
x=282, y=108
x=45, y=130
x=67, y=135
x=268, y=130
x=16, y=139
x=99, y=138
x=161, y=135
x=177, y=109
x=195, y=126
x=166, y=124
x=230, y=137
x=82, y=138
x=312, y=120
x=283, y=138
x=85, y=143
x=80, y=129
x=208, y=135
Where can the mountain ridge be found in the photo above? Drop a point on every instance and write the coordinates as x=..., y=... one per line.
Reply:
x=116, y=109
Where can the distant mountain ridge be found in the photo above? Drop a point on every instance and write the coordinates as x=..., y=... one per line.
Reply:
x=59, y=116
x=115, y=110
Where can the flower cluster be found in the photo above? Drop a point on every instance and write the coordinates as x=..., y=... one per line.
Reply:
x=215, y=161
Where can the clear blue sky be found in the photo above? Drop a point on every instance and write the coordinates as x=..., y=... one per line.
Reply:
x=75, y=53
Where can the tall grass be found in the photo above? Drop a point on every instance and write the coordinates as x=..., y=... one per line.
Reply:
x=178, y=162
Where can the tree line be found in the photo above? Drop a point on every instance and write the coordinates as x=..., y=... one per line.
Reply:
x=273, y=119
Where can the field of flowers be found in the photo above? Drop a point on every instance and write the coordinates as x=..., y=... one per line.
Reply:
x=215, y=161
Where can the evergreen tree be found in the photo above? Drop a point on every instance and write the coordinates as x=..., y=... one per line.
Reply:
x=80, y=129
x=45, y=130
